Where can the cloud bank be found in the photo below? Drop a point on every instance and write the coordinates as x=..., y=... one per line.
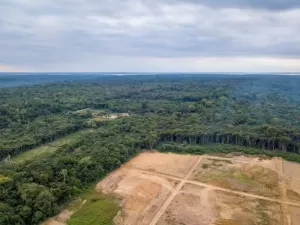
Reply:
x=150, y=35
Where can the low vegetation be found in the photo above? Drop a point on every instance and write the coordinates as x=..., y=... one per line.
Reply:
x=97, y=209
x=50, y=147
x=252, y=179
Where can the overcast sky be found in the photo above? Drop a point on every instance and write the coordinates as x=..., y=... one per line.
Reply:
x=150, y=35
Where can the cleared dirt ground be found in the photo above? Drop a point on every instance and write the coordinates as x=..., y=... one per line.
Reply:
x=161, y=189
x=171, y=164
x=60, y=219
x=203, y=206
x=241, y=174
x=170, y=189
x=291, y=171
x=141, y=195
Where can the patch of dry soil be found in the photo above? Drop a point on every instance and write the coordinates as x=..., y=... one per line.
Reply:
x=143, y=185
x=196, y=205
x=192, y=206
x=52, y=222
x=291, y=172
x=220, y=191
x=60, y=219
x=295, y=215
x=252, y=175
x=141, y=194
x=171, y=164
x=240, y=210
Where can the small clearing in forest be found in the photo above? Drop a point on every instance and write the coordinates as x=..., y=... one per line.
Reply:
x=99, y=115
x=48, y=148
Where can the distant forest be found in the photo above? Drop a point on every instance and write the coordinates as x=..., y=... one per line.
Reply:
x=251, y=114
x=20, y=79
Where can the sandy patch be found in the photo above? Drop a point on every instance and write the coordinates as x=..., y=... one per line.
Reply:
x=291, y=173
x=171, y=164
x=191, y=208
x=141, y=195
x=60, y=219
x=240, y=210
x=196, y=205
x=64, y=216
x=294, y=215
x=252, y=161
x=52, y=222
x=291, y=169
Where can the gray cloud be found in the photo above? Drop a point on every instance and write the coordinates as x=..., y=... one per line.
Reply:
x=258, y=4
x=52, y=34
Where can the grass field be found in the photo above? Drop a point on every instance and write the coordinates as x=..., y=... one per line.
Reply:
x=48, y=148
x=98, y=209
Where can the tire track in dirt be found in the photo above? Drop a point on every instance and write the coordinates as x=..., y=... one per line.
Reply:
x=179, y=186
x=143, y=171
x=283, y=187
x=243, y=193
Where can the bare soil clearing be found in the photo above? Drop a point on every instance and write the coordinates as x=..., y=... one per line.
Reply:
x=112, y=116
x=193, y=205
x=252, y=175
x=171, y=164
x=170, y=189
x=60, y=219
x=141, y=194
x=202, y=206
x=291, y=172
x=240, y=210
x=53, y=222
x=295, y=215
x=238, y=190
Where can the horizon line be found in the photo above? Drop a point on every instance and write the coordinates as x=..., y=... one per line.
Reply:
x=137, y=73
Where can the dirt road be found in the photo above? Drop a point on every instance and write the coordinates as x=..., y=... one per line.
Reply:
x=283, y=188
x=212, y=187
x=175, y=192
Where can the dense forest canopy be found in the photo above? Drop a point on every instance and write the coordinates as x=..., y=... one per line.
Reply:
x=253, y=114
x=20, y=79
